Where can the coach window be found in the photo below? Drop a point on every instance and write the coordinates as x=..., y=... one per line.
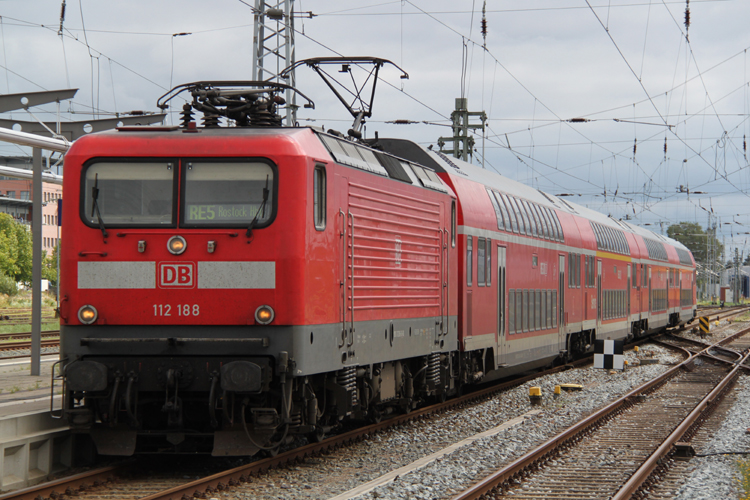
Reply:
x=469, y=257
x=541, y=228
x=570, y=270
x=549, y=308
x=500, y=221
x=503, y=211
x=129, y=193
x=530, y=216
x=539, y=225
x=511, y=213
x=512, y=311
x=526, y=311
x=560, y=233
x=453, y=223
x=543, y=220
x=519, y=311
x=481, y=262
x=319, y=197
x=519, y=218
x=228, y=194
x=488, y=253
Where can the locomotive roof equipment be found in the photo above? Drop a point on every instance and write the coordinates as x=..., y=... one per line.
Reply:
x=248, y=103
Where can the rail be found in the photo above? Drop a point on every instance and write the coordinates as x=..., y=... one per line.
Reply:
x=502, y=479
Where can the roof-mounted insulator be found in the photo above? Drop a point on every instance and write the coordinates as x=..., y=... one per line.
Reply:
x=687, y=15
x=210, y=120
x=635, y=146
x=186, y=115
x=665, y=146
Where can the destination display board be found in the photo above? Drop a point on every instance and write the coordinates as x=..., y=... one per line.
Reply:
x=236, y=212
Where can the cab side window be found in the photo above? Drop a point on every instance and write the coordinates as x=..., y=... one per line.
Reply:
x=319, y=197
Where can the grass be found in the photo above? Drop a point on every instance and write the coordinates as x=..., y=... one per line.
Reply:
x=743, y=464
x=23, y=299
x=26, y=328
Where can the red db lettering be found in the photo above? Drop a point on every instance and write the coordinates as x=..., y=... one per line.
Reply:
x=168, y=275
x=184, y=276
x=172, y=274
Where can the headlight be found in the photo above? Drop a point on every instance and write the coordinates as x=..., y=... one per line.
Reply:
x=264, y=315
x=87, y=314
x=176, y=245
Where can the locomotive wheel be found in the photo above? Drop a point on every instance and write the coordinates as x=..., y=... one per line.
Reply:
x=317, y=436
x=374, y=416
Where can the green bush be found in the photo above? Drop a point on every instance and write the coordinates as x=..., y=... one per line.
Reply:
x=8, y=285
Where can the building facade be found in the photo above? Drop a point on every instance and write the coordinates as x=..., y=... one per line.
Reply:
x=16, y=198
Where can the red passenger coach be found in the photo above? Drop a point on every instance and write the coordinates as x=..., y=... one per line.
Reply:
x=540, y=278
x=228, y=288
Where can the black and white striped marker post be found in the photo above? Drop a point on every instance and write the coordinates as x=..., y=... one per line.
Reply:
x=608, y=354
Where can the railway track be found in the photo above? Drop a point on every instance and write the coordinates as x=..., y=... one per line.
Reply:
x=213, y=483
x=22, y=316
x=89, y=485
x=9, y=337
x=613, y=452
x=22, y=342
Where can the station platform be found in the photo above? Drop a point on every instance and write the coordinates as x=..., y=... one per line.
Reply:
x=19, y=391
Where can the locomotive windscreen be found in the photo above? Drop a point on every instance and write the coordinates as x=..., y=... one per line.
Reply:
x=227, y=193
x=129, y=193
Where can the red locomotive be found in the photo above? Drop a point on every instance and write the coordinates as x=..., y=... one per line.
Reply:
x=227, y=288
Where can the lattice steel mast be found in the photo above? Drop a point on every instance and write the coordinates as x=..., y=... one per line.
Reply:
x=273, y=47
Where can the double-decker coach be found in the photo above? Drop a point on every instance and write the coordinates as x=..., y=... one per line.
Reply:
x=541, y=278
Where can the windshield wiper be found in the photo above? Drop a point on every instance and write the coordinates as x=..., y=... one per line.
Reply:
x=261, y=207
x=95, y=205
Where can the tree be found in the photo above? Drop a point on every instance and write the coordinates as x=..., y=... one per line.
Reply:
x=49, y=266
x=15, y=249
x=692, y=235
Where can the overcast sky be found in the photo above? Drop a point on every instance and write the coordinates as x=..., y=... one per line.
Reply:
x=631, y=68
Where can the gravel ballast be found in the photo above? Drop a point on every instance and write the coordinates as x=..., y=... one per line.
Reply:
x=327, y=476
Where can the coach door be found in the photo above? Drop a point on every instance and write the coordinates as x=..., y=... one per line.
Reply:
x=598, y=296
x=561, y=305
x=501, y=305
x=629, y=291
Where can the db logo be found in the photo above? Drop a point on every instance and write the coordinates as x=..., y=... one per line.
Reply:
x=173, y=274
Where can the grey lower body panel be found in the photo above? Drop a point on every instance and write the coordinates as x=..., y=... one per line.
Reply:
x=313, y=348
